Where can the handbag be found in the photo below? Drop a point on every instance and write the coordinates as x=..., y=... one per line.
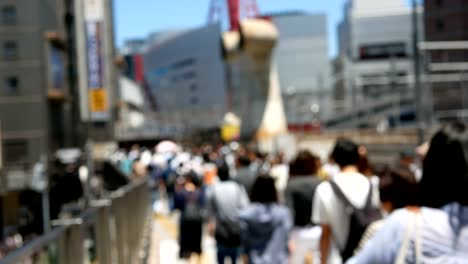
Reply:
x=412, y=232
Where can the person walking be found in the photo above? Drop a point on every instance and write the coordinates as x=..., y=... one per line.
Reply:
x=437, y=232
x=265, y=225
x=344, y=206
x=189, y=199
x=398, y=189
x=224, y=203
x=299, y=193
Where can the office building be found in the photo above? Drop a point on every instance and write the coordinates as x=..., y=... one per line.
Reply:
x=301, y=57
x=34, y=88
x=43, y=81
x=374, y=67
x=185, y=73
x=447, y=21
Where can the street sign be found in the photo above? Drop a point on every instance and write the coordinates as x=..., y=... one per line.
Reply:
x=98, y=100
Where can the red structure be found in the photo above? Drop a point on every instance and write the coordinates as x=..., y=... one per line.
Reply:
x=236, y=10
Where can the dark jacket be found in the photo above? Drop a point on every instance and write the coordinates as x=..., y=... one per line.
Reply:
x=299, y=195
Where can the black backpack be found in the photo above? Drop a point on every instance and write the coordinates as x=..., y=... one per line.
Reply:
x=193, y=211
x=360, y=219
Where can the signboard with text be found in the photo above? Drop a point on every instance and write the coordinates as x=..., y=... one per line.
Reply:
x=383, y=51
x=98, y=93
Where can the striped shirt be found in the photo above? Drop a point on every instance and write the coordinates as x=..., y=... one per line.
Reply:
x=444, y=238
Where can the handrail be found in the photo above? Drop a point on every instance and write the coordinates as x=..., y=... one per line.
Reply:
x=132, y=199
x=34, y=246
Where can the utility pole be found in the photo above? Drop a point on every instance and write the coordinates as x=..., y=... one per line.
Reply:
x=417, y=75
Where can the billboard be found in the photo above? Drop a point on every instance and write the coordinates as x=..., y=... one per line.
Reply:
x=97, y=92
x=383, y=51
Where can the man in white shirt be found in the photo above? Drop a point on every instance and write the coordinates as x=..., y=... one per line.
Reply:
x=330, y=211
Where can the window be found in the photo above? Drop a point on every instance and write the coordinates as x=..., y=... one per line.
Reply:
x=10, y=50
x=15, y=152
x=189, y=75
x=11, y=85
x=193, y=87
x=440, y=25
x=9, y=15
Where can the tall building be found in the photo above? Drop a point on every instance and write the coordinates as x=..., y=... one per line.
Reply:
x=185, y=73
x=374, y=82
x=447, y=21
x=34, y=90
x=304, y=68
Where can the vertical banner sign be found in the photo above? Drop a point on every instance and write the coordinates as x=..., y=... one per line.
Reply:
x=98, y=96
x=57, y=66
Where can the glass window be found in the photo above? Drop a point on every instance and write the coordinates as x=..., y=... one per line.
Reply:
x=9, y=15
x=193, y=87
x=10, y=50
x=440, y=25
x=15, y=152
x=11, y=85
x=189, y=75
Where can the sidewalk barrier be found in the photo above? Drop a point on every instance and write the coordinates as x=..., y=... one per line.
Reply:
x=112, y=230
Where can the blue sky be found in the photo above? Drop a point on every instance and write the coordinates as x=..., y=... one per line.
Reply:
x=137, y=18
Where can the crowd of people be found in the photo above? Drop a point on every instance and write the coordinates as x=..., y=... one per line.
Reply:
x=260, y=209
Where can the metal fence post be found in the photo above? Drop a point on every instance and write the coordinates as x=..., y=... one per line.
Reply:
x=120, y=216
x=71, y=246
x=105, y=247
x=76, y=245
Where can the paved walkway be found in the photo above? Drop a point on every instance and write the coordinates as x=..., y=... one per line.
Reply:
x=164, y=246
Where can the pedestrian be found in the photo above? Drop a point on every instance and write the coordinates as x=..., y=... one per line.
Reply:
x=398, y=189
x=190, y=201
x=437, y=232
x=408, y=159
x=299, y=194
x=340, y=203
x=224, y=203
x=265, y=225
x=280, y=172
x=245, y=177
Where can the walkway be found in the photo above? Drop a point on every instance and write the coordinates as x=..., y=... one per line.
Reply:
x=164, y=244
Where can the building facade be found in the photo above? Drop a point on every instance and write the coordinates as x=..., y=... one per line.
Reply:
x=41, y=101
x=33, y=83
x=301, y=57
x=374, y=73
x=185, y=73
x=447, y=21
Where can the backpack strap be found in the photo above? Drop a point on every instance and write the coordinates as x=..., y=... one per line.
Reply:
x=370, y=195
x=337, y=190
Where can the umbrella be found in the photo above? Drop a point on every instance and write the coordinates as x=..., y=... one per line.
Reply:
x=166, y=146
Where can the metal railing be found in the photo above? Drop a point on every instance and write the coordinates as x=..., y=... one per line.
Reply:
x=112, y=230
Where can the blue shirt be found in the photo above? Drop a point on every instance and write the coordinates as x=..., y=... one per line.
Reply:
x=265, y=233
x=444, y=237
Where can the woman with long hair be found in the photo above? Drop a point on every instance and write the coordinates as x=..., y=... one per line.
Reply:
x=265, y=225
x=436, y=232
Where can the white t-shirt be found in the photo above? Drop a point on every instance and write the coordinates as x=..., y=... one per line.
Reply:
x=330, y=210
